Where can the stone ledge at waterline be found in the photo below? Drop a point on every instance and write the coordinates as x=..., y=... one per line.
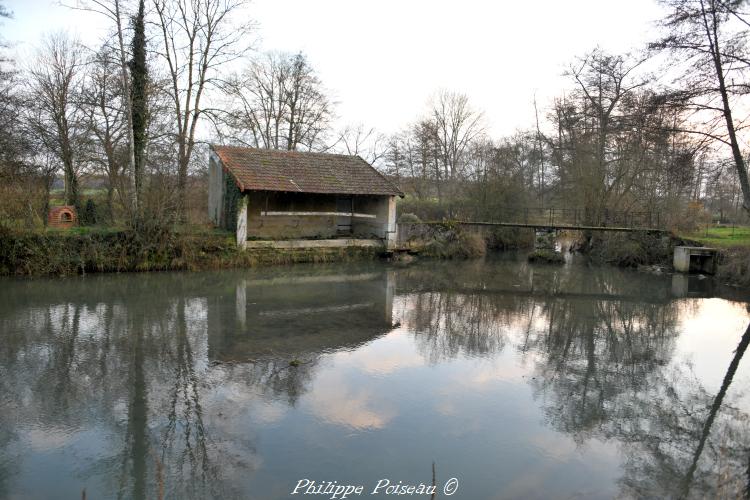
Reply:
x=68, y=253
x=304, y=244
x=62, y=253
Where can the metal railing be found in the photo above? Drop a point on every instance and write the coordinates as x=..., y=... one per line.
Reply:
x=553, y=216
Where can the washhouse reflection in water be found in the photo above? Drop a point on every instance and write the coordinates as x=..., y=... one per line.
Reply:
x=518, y=380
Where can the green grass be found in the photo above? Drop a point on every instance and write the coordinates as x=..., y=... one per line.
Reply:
x=86, y=192
x=83, y=230
x=723, y=237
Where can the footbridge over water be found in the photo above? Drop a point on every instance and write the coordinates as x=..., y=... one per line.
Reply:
x=572, y=219
x=545, y=222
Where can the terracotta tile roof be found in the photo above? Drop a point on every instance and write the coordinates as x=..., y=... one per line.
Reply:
x=303, y=172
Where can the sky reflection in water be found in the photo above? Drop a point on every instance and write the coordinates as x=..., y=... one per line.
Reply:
x=520, y=381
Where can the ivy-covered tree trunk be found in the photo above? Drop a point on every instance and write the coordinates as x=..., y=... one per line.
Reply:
x=139, y=80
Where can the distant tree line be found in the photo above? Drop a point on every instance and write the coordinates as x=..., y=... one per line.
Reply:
x=129, y=120
x=618, y=138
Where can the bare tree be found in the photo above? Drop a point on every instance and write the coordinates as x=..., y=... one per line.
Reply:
x=358, y=140
x=592, y=123
x=710, y=39
x=112, y=9
x=456, y=126
x=105, y=109
x=24, y=168
x=408, y=160
x=430, y=154
x=56, y=114
x=19, y=172
x=9, y=107
x=279, y=103
x=196, y=38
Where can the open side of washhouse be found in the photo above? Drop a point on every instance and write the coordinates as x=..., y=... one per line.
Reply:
x=292, y=198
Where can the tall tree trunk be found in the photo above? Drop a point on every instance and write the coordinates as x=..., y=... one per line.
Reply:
x=739, y=161
x=184, y=160
x=126, y=95
x=71, y=180
x=139, y=111
x=71, y=186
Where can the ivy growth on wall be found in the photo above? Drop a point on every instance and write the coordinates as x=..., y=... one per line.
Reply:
x=232, y=195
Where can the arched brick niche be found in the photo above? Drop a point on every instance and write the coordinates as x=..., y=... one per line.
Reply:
x=62, y=217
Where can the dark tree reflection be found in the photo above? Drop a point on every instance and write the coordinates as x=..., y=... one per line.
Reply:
x=595, y=355
x=137, y=443
x=184, y=449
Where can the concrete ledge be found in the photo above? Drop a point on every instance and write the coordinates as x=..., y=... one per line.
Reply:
x=333, y=243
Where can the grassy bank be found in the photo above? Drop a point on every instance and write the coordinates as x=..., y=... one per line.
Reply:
x=722, y=237
x=635, y=249
x=68, y=253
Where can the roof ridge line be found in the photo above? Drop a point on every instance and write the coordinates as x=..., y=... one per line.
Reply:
x=262, y=169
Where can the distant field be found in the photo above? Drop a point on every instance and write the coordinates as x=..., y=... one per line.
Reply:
x=722, y=236
x=82, y=192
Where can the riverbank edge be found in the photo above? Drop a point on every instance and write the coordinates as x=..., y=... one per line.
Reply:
x=644, y=250
x=734, y=266
x=68, y=254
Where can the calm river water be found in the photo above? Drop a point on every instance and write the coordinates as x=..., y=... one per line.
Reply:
x=517, y=380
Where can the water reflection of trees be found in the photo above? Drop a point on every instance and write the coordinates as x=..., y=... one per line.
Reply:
x=447, y=325
x=609, y=375
x=476, y=309
x=662, y=444
x=601, y=344
x=594, y=353
x=122, y=367
x=132, y=359
x=139, y=356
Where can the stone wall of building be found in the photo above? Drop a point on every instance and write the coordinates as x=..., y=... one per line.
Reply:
x=261, y=226
x=378, y=227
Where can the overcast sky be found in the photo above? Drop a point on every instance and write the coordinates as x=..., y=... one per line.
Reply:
x=381, y=60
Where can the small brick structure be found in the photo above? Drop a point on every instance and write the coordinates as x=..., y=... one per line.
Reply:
x=62, y=217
